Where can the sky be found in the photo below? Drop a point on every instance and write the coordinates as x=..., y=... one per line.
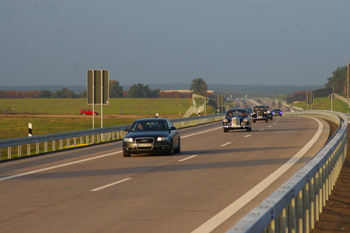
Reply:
x=272, y=42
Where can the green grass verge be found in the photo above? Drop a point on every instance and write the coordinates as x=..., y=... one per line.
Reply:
x=324, y=104
x=129, y=106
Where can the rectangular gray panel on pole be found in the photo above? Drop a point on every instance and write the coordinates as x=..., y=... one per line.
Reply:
x=95, y=80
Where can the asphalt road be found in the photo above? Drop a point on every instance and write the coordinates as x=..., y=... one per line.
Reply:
x=216, y=179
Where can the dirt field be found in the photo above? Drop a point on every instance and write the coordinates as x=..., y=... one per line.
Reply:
x=336, y=214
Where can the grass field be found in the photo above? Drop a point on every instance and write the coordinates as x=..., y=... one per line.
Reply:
x=15, y=124
x=325, y=104
x=133, y=106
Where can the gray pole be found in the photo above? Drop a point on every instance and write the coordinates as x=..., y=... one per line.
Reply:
x=93, y=99
x=102, y=100
x=348, y=81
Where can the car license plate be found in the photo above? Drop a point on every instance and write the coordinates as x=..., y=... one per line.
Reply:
x=144, y=145
x=259, y=116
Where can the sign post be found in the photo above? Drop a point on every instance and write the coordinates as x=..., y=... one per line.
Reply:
x=331, y=97
x=97, y=91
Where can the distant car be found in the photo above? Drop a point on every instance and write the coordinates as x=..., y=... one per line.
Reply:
x=277, y=112
x=87, y=112
x=269, y=113
x=293, y=110
x=286, y=109
x=237, y=119
x=260, y=113
x=151, y=136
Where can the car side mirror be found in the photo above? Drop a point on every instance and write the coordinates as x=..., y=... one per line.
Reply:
x=172, y=128
x=127, y=130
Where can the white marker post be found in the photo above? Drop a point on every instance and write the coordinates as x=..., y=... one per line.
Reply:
x=30, y=126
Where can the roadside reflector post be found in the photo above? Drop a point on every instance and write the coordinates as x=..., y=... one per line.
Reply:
x=30, y=130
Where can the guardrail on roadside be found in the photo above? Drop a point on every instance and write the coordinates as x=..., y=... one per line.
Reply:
x=83, y=137
x=297, y=204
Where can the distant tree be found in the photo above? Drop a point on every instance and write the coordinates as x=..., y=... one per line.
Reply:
x=198, y=86
x=338, y=81
x=65, y=93
x=82, y=94
x=45, y=94
x=142, y=91
x=115, y=90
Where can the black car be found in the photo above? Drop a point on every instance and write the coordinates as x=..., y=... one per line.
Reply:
x=151, y=135
x=260, y=113
x=237, y=119
x=277, y=112
x=269, y=113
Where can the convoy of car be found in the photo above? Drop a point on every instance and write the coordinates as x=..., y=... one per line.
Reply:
x=237, y=119
x=151, y=135
x=260, y=113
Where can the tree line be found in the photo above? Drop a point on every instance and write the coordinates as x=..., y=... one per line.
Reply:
x=139, y=90
x=338, y=81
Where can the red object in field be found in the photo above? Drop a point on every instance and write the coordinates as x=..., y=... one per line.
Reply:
x=87, y=112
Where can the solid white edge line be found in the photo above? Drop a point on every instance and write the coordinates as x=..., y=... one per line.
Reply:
x=234, y=207
x=248, y=135
x=226, y=144
x=187, y=158
x=58, y=166
x=108, y=185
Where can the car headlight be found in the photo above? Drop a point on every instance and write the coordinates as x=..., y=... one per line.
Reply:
x=159, y=139
x=245, y=120
x=225, y=120
x=128, y=139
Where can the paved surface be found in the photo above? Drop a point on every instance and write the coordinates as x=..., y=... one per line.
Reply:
x=68, y=191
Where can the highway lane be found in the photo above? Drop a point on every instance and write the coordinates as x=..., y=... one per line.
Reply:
x=96, y=189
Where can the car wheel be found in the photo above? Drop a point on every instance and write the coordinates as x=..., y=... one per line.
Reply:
x=171, y=149
x=253, y=121
x=225, y=130
x=267, y=120
x=178, y=149
x=84, y=114
x=125, y=154
x=247, y=129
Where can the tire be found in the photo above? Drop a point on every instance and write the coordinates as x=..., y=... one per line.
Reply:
x=178, y=149
x=247, y=129
x=125, y=154
x=225, y=130
x=253, y=121
x=267, y=120
x=84, y=114
x=171, y=149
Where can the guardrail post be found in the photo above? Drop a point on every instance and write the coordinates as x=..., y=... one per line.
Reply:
x=75, y=141
x=271, y=228
x=9, y=151
x=28, y=149
x=282, y=221
x=324, y=181
x=45, y=146
x=19, y=151
x=93, y=139
x=61, y=144
x=87, y=139
x=312, y=202
x=53, y=145
x=81, y=141
x=68, y=143
x=299, y=211
x=291, y=217
x=37, y=148
x=306, y=208
x=98, y=137
x=113, y=135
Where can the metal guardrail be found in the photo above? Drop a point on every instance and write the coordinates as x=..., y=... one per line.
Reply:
x=84, y=137
x=297, y=204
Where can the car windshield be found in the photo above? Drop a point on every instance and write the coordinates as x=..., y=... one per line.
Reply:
x=151, y=125
x=277, y=110
x=259, y=108
x=236, y=113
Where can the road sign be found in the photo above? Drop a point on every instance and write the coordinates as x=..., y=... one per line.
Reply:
x=331, y=97
x=97, y=87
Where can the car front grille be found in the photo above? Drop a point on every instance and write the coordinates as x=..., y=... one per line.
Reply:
x=144, y=143
x=236, y=121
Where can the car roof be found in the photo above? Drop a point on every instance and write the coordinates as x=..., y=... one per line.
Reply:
x=152, y=119
x=237, y=109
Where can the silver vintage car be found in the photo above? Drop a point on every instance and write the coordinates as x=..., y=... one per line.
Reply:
x=237, y=119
